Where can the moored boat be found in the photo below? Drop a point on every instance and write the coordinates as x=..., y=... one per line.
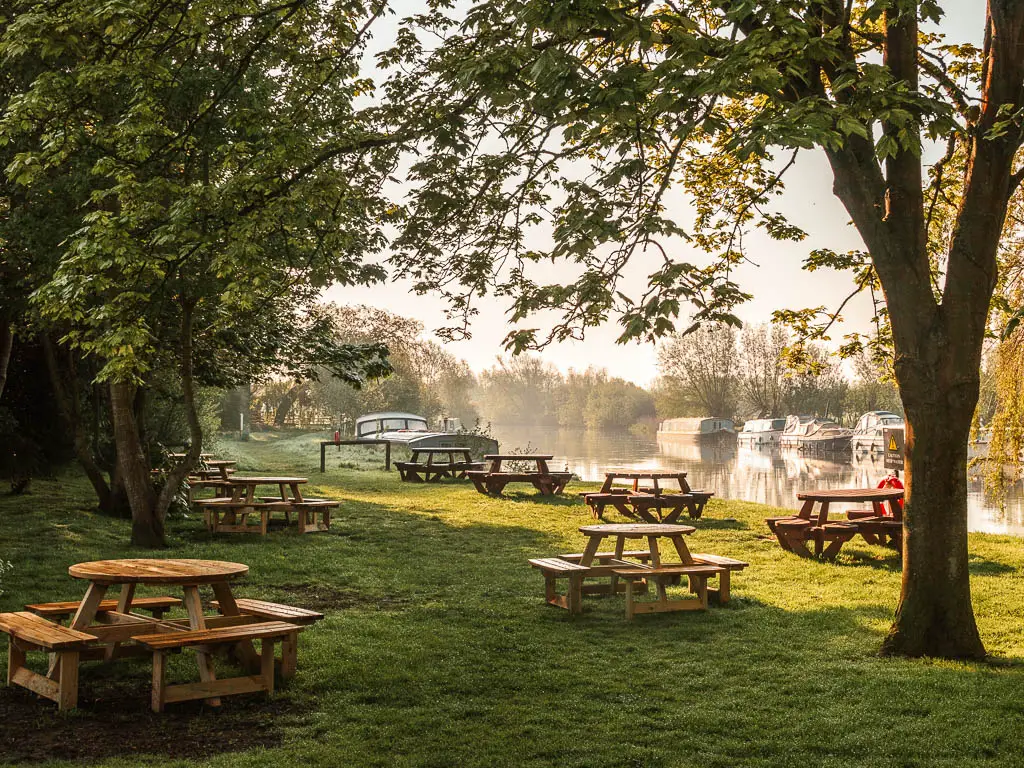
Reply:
x=868, y=435
x=807, y=433
x=412, y=430
x=698, y=428
x=761, y=432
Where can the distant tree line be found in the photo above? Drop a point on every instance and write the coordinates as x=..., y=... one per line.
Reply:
x=719, y=371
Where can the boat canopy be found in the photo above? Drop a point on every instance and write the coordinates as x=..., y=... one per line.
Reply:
x=764, y=425
x=873, y=420
x=389, y=421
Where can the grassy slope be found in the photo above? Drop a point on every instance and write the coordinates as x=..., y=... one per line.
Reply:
x=438, y=649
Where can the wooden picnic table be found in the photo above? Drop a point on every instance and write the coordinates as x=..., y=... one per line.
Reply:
x=215, y=469
x=647, y=503
x=246, y=486
x=493, y=481
x=636, y=476
x=541, y=460
x=188, y=574
x=794, y=531
x=417, y=471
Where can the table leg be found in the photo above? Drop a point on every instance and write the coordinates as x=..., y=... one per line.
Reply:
x=124, y=605
x=228, y=607
x=84, y=616
x=620, y=546
x=194, y=607
x=684, y=486
x=823, y=514
x=607, y=487
x=682, y=550
x=652, y=543
x=807, y=509
x=590, y=551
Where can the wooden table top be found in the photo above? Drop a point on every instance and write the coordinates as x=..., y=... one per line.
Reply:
x=221, y=463
x=519, y=457
x=155, y=571
x=183, y=455
x=631, y=475
x=852, y=494
x=637, y=530
x=240, y=480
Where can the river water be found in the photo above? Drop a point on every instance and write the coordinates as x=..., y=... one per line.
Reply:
x=765, y=475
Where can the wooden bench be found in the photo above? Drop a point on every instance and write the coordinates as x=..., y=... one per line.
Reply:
x=274, y=611
x=267, y=633
x=306, y=514
x=699, y=500
x=728, y=565
x=31, y=632
x=598, y=501
x=555, y=568
x=882, y=530
x=156, y=606
x=650, y=508
x=697, y=575
x=419, y=472
x=493, y=483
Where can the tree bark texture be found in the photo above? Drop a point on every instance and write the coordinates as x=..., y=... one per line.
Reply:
x=6, y=348
x=938, y=344
x=65, y=393
x=147, y=521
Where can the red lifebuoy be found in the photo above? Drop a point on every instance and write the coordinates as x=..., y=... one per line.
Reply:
x=892, y=482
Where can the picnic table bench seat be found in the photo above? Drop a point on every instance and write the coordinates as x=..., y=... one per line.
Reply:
x=31, y=632
x=881, y=529
x=418, y=472
x=156, y=606
x=728, y=565
x=697, y=574
x=267, y=632
x=493, y=483
x=276, y=611
x=306, y=513
x=556, y=568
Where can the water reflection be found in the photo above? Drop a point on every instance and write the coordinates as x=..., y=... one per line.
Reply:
x=765, y=475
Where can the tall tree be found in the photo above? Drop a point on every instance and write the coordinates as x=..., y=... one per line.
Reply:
x=763, y=371
x=582, y=117
x=230, y=179
x=703, y=364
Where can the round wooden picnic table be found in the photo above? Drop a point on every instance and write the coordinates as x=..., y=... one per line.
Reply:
x=188, y=574
x=248, y=484
x=875, y=496
x=637, y=475
x=623, y=531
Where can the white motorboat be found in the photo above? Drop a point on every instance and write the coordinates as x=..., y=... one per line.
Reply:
x=868, y=435
x=807, y=433
x=761, y=432
x=412, y=430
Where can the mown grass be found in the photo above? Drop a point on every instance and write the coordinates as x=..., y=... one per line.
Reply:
x=438, y=650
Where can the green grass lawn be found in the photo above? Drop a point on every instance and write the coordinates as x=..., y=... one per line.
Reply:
x=438, y=649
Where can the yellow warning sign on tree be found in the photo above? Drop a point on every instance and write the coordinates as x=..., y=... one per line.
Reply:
x=892, y=443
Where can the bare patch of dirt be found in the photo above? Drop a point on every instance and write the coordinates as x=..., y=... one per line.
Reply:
x=113, y=719
x=324, y=597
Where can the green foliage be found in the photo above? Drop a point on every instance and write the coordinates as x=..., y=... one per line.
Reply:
x=227, y=179
x=573, y=124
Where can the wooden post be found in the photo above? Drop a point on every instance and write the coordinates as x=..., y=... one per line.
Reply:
x=68, y=685
x=159, y=678
x=323, y=457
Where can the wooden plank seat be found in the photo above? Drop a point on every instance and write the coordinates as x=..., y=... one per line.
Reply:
x=31, y=632
x=883, y=530
x=697, y=575
x=728, y=565
x=237, y=512
x=156, y=606
x=554, y=568
x=493, y=483
x=598, y=501
x=207, y=639
x=275, y=611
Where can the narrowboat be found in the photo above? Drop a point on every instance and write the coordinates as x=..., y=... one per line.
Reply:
x=698, y=428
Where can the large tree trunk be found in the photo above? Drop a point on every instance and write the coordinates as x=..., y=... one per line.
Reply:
x=935, y=616
x=284, y=408
x=6, y=347
x=65, y=393
x=147, y=519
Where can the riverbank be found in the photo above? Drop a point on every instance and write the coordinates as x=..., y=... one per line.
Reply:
x=437, y=649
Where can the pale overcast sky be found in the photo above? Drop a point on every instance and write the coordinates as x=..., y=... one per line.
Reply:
x=777, y=281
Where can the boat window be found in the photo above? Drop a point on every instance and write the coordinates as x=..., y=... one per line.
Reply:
x=367, y=428
x=416, y=424
x=778, y=423
x=394, y=424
